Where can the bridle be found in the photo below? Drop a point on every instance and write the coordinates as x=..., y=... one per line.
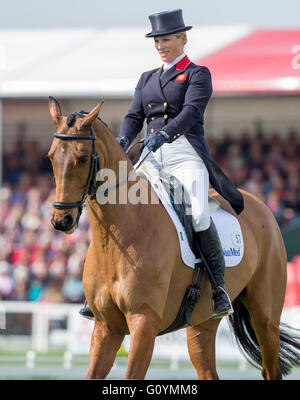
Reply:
x=91, y=180
x=91, y=183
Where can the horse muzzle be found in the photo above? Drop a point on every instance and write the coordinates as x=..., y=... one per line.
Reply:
x=66, y=224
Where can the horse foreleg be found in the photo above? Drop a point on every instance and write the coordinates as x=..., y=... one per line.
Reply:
x=103, y=350
x=144, y=327
x=201, y=348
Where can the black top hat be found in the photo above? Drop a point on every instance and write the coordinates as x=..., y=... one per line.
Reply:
x=167, y=22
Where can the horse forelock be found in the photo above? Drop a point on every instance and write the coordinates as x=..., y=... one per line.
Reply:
x=81, y=114
x=71, y=119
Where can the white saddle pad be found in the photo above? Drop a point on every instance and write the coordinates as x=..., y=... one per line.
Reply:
x=227, y=225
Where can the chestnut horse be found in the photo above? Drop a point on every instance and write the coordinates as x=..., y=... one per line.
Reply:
x=134, y=278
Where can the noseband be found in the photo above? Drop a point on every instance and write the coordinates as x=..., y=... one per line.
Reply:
x=94, y=168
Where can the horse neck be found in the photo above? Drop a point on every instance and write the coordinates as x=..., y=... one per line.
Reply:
x=103, y=217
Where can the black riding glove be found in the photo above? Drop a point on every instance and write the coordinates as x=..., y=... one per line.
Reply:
x=155, y=141
x=123, y=141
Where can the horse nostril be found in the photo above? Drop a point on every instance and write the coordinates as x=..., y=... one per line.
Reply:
x=67, y=221
x=63, y=225
x=53, y=223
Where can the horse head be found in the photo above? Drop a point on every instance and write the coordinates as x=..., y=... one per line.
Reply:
x=75, y=163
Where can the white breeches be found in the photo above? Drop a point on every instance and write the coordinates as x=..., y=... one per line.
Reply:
x=181, y=160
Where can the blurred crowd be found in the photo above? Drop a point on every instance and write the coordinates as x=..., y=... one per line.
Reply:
x=267, y=166
x=38, y=263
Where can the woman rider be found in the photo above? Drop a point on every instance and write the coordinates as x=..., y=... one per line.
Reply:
x=173, y=99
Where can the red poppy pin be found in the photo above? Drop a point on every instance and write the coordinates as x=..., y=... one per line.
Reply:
x=181, y=77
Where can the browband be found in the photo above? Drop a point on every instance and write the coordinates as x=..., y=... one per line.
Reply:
x=65, y=136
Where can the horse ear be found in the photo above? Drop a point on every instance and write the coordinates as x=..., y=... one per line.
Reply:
x=92, y=115
x=54, y=108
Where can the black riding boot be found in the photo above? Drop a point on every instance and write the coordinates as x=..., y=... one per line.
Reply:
x=212, y=251
x=86, y=312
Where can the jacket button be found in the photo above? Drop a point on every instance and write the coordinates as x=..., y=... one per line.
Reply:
x=153, y=118
x=149, y=105
x=165, y=104
x=165, y=116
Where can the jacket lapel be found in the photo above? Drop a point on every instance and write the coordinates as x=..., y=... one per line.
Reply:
x=156, y=83
x=174, y=71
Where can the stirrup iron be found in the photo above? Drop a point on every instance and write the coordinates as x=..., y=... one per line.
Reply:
x=225, y=313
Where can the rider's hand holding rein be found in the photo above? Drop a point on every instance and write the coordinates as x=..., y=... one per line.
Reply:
x=123, y=141
x=156, y=140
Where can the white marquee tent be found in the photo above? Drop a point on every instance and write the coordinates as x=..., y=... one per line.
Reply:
x=90, y=62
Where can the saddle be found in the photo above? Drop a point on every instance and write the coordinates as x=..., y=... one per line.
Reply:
x=168, y=190
x=180, y=203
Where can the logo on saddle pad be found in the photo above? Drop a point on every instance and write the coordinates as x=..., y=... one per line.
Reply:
x=236, y=239
x=232, y=252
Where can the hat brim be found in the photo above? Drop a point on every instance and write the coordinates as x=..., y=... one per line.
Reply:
x=163, y=33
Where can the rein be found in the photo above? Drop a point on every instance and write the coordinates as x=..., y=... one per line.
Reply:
x=131, y=172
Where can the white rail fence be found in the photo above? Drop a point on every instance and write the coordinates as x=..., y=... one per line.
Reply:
x=48, y=326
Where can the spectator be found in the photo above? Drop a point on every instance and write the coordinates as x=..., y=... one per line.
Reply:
x=6, y=281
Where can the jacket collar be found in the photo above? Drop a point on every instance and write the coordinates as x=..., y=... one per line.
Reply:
x=181, y=65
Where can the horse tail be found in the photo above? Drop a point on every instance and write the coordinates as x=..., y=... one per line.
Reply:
x=289, y=354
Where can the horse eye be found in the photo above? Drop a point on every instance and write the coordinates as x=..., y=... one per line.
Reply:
x=82, y=159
